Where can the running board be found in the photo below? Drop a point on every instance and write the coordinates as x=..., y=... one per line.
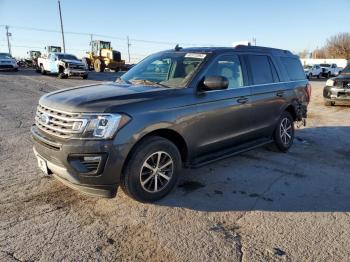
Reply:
x=207, y=159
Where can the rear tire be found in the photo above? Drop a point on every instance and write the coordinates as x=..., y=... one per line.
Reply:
x=42, y=70
x=319, y=75
x=284, y=132
x=85, y=76
x=152, y=170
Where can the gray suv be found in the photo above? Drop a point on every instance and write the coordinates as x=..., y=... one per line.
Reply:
x=177, y=108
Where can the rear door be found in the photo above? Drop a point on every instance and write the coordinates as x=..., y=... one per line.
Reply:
x=223, y=115
x=268, y=95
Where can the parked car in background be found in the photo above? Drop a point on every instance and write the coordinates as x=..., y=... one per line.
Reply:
x=65, y=65
x=313, y=71
x=337, y=89
x=177, y=108
x=7, y=62
x=329, y=70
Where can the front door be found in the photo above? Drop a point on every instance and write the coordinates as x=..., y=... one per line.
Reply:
x=223, y=115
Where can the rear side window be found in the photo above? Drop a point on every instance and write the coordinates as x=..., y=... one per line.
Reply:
x=261, y=69
x=293, y=68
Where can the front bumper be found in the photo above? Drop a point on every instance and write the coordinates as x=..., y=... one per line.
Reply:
x=75, y=72
x=334, y=93
x=58, y=156
x=8, y=67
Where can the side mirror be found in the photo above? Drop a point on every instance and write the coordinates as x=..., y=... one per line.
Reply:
x=215, y=83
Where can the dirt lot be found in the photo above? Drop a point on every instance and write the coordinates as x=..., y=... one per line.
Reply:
x=259, y=206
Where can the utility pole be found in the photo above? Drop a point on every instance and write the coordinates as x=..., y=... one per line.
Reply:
x=59, y=8
x=128, y=43
x=91, y=38
x=8, y=39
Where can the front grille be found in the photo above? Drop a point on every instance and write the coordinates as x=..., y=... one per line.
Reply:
x=342, y=84
x=6, y=66
x=58, y=123
x=91, y=166
x=80, y=67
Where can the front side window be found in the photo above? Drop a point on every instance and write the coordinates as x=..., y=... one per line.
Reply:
x=168, y=69
x=261, y=69
x=228, y=66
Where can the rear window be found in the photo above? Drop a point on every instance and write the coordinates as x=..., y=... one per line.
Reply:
x=261, y=69
x=293, y=68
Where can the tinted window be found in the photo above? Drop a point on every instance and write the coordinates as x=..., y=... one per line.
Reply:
x=227, y=66
x=293, y=68
x=261, y=69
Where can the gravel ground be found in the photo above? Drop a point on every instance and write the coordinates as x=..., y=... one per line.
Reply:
x=258, y=206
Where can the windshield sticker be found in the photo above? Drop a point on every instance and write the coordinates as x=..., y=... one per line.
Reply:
x=195, y=55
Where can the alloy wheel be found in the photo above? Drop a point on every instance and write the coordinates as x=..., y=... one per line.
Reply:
x=156, y=172
x=286, y=131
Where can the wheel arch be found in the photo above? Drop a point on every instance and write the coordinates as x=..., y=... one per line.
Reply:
x=166, y=133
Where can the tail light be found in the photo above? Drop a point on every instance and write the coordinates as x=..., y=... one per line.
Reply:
x=308, y=90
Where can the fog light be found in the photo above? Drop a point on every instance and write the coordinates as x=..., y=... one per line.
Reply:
x=92, y=158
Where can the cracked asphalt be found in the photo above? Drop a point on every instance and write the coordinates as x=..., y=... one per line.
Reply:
x=259, y=206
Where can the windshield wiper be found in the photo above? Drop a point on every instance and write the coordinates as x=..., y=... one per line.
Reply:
x=147, y=82
x=119, y=79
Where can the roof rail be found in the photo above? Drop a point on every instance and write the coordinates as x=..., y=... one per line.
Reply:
x=262, y=48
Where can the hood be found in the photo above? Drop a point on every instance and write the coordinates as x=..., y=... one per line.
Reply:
x=72, y=61
x=99, y=98
x=342, y=77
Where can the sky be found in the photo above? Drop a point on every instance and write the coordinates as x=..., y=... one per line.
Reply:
x=156, y=25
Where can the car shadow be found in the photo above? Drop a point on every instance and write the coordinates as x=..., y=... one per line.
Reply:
x=312, y=176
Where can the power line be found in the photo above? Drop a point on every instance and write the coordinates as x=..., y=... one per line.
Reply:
x=108, y=36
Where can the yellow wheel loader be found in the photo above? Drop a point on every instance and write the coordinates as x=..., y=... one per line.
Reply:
x=102, y=56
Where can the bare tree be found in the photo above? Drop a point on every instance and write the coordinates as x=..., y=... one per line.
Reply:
x=304, y=53
x=338, y=46
x=320, y=53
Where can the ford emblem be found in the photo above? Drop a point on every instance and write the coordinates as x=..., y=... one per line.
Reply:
x=45, y=118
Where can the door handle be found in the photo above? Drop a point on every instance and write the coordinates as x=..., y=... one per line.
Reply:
x=242, y=100
x=280, y=93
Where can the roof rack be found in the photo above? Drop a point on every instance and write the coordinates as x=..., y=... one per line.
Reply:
x=261, y=48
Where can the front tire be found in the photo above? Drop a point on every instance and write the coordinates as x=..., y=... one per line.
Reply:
x=99, y=66
x=152, y=171
x=284, y=132
x=62, y=76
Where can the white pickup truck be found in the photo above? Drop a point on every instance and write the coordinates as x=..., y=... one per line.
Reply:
x=313, y=71
x=329, y=70
x=65, y=65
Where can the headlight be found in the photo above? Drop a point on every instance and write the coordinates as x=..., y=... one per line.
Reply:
x=330, y=82
x=104, y=126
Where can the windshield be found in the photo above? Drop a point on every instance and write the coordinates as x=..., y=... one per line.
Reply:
x=68, y=57
x=171, y=69
x=308, y=67
x=5, y=56
x=105, y=45
x=325, y=65
x=346, y=69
